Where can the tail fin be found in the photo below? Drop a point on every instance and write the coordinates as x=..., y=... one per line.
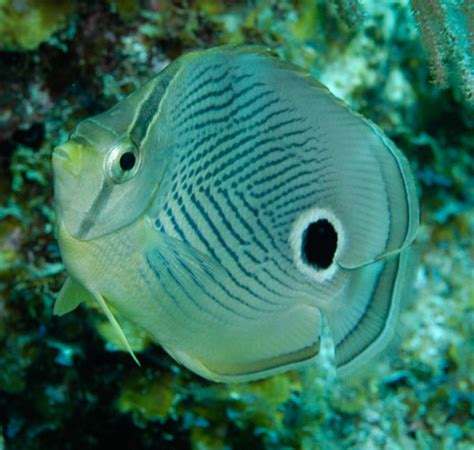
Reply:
x=366, y=321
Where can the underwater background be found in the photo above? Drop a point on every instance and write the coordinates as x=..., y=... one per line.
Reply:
x=65, y=383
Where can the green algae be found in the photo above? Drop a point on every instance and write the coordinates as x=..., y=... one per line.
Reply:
x=25, y=24
x=128, y=9
x=148, y=397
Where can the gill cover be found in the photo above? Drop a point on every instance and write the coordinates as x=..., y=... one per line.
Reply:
x=106, y=174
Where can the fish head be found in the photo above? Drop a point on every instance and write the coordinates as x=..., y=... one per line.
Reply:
x=107, y=173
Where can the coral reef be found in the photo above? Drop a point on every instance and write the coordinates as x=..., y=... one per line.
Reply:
x=25, y=24
x=65, y=384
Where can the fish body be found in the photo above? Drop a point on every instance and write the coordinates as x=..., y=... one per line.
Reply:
x=228, y=203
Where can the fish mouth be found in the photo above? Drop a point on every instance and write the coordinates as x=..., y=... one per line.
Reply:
x=61, y=153
x=68, y=156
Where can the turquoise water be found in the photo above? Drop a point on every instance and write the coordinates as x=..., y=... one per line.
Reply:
x=66, y=384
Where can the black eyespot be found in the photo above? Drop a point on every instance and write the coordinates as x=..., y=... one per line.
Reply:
x=319, y=244
x=127, y=161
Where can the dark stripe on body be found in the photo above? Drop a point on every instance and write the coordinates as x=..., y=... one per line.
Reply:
x=93, y=213
x=195, y=155
x=240, y=216
x=287, y=151
x=233, y=255
x=149, y=108
x=183, y=95
x=158, y=276
x=190, y=222
x=144, y=274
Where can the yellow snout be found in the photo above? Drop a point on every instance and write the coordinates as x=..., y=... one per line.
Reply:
x=69, y=155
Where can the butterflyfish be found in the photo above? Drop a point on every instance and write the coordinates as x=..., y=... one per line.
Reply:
x=228, y=205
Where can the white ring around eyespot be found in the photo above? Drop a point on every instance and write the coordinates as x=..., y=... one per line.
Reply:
x=296, y=240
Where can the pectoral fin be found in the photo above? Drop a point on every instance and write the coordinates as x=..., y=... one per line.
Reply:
x=71, y=295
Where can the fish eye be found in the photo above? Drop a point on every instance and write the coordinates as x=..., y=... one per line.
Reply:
x=127, y=161
x=122, y=161
x=319, y=244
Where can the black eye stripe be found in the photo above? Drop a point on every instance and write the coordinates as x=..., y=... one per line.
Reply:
x=127, y=161
x=319, y=244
